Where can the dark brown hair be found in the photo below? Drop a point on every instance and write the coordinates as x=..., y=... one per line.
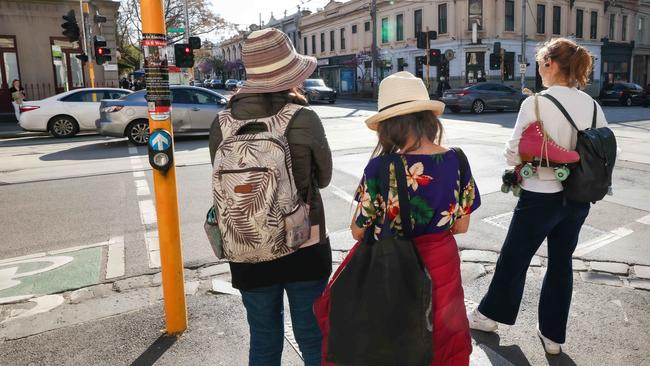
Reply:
x=394, y=132
x=575, y=61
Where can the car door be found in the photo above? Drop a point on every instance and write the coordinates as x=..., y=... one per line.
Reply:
x=84, y=107
x=181, y=105
x=204, y=109
x=489, y=95
x=510, y=97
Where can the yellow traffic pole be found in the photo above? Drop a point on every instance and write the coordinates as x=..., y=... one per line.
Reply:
x=161, y=157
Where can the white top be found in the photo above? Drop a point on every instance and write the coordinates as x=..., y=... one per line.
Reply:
x=580, y=107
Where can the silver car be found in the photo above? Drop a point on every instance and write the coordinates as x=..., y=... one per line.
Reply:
x=483, y=96
x=193, y=110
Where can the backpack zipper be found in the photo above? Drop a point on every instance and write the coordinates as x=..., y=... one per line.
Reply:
x=254, y=169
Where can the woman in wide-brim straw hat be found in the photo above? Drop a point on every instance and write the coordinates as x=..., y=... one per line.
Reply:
x=442, y=199
x=274, y=72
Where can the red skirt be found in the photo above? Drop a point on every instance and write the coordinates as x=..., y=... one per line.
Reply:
x=452, y=344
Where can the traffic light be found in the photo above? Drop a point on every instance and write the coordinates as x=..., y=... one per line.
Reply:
x=497, y=48
x=83, y=57
x=433, y=35
x=422, y=39
x=495, y=61
x=183, y=55
x=195, y=43
x=102, y=53
x=434, y=57
x=70, y=27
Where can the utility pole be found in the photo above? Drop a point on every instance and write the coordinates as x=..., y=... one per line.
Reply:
x=91, y=69
x=187, y=33
x=373, y=16
x=428, y=60
x=523, y=42
x=161, y=158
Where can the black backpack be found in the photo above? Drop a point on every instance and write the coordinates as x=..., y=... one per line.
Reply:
x=591, y=177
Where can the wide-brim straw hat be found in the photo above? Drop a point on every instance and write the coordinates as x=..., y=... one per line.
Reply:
x=272, y=63
x=400, y=94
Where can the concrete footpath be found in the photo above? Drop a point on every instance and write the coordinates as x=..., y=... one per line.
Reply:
x=121, y=323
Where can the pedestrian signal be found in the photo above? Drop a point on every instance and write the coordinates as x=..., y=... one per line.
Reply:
x=183, y=55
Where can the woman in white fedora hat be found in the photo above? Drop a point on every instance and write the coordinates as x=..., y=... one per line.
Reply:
x=270, y=100
x=442, y=193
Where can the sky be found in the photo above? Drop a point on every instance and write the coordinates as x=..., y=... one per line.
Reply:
x=246, y=12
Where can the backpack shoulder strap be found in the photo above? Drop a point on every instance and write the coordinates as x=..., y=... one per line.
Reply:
x=463, y=163
x=561, y=108
x=279, y=123
x=593, y=121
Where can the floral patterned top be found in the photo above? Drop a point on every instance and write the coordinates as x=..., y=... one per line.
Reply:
x=437, y=196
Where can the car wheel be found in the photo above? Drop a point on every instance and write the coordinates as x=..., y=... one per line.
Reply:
x=63, y=126
x=627, y=102
x=138, y=132
x=478, y=106
x=455, y=109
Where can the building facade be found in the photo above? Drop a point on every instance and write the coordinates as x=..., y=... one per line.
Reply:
x=641, y=52
x=231, y=49
x=340, y=36
x=289, y=24
x=33, y=49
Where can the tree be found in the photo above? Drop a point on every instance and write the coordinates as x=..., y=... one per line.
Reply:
x=202, y=19
x=210, y=65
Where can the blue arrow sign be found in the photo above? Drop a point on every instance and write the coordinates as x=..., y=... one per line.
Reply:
x=160, y=140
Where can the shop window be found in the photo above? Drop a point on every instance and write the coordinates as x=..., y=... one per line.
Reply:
x=384, y=30
x=400, y=64
x=475, y=12
x=593, y=30
x=399, y=29
x=541, y=18
x=322, y=42
x=510, y=16
x=442, y=18
x=417, y=21
x=332, y=41
x=579, y=22
x=557, y=19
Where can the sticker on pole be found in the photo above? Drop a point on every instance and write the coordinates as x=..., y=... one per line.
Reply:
x=156, y=70
x=160, y=140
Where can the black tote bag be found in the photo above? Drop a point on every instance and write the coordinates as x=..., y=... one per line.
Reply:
x=381, y=310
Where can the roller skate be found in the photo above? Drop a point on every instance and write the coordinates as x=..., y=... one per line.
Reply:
x=511, y=180
x=537, y=149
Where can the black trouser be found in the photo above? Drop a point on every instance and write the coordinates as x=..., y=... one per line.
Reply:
x=536, y=217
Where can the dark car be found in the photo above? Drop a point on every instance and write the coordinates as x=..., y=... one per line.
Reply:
x=316, y=90
x=625, y=94
x=483, y=96
x=216, y=84
x=231, y=84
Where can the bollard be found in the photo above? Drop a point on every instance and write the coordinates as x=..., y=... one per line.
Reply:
x=161, y=158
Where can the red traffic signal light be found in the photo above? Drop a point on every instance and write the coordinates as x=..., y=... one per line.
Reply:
x=188, y=50
x=183, y=55
x=434, y=56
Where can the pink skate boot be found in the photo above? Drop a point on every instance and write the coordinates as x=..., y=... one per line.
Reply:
x=536, y=146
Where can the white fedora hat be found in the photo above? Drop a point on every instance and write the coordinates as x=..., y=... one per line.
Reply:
x=402, y=93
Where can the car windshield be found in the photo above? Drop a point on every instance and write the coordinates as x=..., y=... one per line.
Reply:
x=314, y=82
x=231, y=81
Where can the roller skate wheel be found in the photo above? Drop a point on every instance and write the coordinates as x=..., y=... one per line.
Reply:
x=505, y=188
x=516, y=191
x=562, y=173
x=527, y=171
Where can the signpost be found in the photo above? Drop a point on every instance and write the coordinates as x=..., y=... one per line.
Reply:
x=176, y=30
x=161, y=158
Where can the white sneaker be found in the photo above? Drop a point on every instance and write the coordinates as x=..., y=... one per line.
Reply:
x=550, y=347
x=481, y=322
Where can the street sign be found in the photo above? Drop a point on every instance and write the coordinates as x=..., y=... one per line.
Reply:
x=522, y=68
x=176, y=30
x=160, y=140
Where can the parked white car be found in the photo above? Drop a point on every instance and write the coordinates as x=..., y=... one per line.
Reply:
x=66, y=114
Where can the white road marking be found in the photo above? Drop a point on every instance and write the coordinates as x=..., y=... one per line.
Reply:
x=138, y=174
x=43, y=304
x=133, y=150
x=644, y=220
x=340, y=193
x=137, y=166
x=142, y=188
x=154, y=259
x=74, y=249
x=602, y=241
x=151, y=240
x=147, y=212
x=115, y=264
x=495, y=220
x=15, y=259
